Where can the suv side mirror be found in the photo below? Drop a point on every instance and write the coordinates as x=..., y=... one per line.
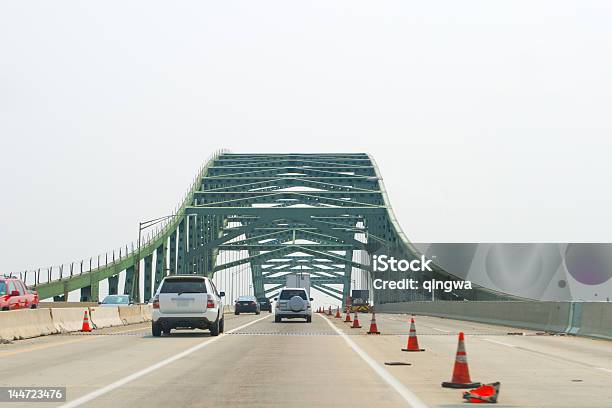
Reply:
x=275, y=299
x=222, y=294
x=311, y=299
x=14, y=293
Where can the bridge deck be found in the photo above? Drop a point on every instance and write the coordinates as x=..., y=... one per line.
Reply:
x=298, y=364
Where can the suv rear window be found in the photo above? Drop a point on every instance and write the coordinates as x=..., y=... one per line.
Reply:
x=183, y=286
x=288, y=294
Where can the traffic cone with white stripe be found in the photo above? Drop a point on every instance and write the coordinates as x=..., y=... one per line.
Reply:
x=373, y=326
x=487, y=393
x=347, y=319
x=413, y=341
x=86, y=327
x=338, y=315
x=356, y=324
x=461, y=373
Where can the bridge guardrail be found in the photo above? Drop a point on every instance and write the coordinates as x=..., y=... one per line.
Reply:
x=591, y=319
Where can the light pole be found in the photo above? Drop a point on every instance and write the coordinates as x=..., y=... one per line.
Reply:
x=141, y=227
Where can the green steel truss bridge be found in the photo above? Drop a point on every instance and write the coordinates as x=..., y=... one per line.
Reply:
x=268, y=214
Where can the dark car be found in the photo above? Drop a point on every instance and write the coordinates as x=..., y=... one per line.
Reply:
x=265, y=304
x=246, y=304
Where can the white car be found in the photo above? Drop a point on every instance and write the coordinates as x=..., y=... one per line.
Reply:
x=116, y=301
x=187, y=302
x=293, y=303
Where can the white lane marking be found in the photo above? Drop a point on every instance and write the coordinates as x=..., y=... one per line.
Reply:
x=400, y=388
x=104, y=390
x=500, y=342
x=440, y=330
x=609, y=370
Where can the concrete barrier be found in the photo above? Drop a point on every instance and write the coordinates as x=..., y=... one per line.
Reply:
x=105, y=317
x=25, y=324
x=592, y=319
x=595, y=320
x=131, y=314
x=68, y=319
x=146, y=312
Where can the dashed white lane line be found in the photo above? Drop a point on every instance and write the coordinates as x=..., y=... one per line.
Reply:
x=609, y=370
x=117, y=384
x=500, y=342
x=440, y=330
x=408, y=396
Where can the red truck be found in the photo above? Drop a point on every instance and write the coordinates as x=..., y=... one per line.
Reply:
x=15, y=295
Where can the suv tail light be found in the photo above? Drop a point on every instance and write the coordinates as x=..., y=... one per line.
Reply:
x=156, y=303
x=210, y=304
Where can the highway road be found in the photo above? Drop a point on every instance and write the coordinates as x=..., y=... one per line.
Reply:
x=259, y=363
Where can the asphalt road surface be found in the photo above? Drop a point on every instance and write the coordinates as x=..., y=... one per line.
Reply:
x=259, y=363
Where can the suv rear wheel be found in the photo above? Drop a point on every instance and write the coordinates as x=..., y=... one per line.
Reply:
x=309, y=319
x=156, y=329
x=222, y=325
x=215, y=328
x=277, y=319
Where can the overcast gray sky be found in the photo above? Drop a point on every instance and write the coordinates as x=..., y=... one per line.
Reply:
x=490, y=120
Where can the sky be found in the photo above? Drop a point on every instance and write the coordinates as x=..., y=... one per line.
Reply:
x=490, y=121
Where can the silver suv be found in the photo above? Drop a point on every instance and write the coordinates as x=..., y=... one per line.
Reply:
x=187, y=302
x=293, y=303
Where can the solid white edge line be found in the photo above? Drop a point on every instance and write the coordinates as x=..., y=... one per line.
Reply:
x=110, y=387
x=400, y=388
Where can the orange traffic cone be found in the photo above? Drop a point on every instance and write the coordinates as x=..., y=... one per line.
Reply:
x=86, y=327
x=373, y=327
x=338, y=316
x=461, y=373
x=487, y=393
x=347, y=319
x=356, y=324
x=413, y=341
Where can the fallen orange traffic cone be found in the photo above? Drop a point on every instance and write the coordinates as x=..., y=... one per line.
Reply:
x=461, y=373
x=413, y=341
x=86, y=327
x=356, y=324
x=338, y=316
x=373, y=327
x=487, y=393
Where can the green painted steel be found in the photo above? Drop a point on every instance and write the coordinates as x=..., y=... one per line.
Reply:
x=148, y=277
x=275, y=214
